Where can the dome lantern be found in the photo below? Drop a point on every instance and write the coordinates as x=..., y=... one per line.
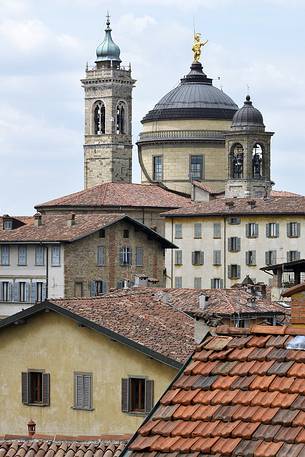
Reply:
x=248, y=117
x=108, y=51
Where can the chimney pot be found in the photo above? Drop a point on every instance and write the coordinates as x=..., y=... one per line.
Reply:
x=38, y=219
x=31, y=427
x=71, y=221
x=203, y=301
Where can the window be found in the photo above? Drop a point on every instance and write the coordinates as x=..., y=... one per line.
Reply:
x=292, y=256
x=293, y=229
x=137, y=395
x=272, y=230
x=234, y=244
x=178, y=257
x=139, y=256
x=5, y=255
x=251, y=258
x=39, y=255
x=125, y=233
x=39, y=292
x=252, y=230
x=98, y=287
x=257, y=161
x=35, y=388
x=125, y=256
x=22, y=255
x=55, y=256
x=5, y=291
x=216, y=230
x=197, y=283
x=157, y=168
x=23, y=291
x=83, y=391
x=217, y=257
x=178, y=231
x=99, y=118
x=233, y=271
x=178, y=282
x=197, y=230
x=8, y=224
x=78, y=289
x=120, y=118
x=236, y=161
x=101, y=233
x=196, y=167
x=197, y=258
x=270, y=257
x=101, y=256
x=216, y=283
x=234, y=220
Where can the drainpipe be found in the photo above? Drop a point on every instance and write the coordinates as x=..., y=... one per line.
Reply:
x=172, y=253
x=47, y=272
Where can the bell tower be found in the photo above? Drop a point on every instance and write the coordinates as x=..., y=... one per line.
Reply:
x=248, y=152
x=108, y=115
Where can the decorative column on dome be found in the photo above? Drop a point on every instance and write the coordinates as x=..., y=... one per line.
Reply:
x=108, y=115
x=248, y=154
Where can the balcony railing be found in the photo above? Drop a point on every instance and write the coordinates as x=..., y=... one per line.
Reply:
x=168, y=135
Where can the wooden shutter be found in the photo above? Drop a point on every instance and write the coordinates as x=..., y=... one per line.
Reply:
x=27, y=292
x=253, y=257
x=230, y=271
x=298, y=229
x=178, y=230
x=149, y=395
x=44, y=291
x=16, y=292
x=247, y=230
x=46, y=389
x=267, y=230
x=237, y=244
x=101, y=256
x=33, y=292
x=25, y=388
x=201, y=258
x=277, y=230
x=194, y=258
x=139, y=256
x=125, y=395
x=87, y=391
x=1, y=290
x=288, y=229
x=10, y=291
x=217, y=230
x=93, y=288
x=78, y=390
x=247, y=258
x=221, y=283
x=237, y=271
x=273, y=257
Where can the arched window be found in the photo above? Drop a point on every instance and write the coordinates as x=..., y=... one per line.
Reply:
x=237, y=161
x=257, y=161
x=120, y=118
x=99, y=118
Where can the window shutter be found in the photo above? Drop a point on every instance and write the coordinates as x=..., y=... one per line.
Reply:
x=229, y=271
x=25, y=388
x=28, y=292
x=104, y=287
x=221, y=283
x=288, y=258
x=44, y=291
x=237, y=244
x=139, y=256
x=101, y=256
x=125, y=395
x=33, y=292
x=93, y=289
x=267, y=230
x=247, y=230
x=267, y=257
x=297, y=255
x=130, y=256
x=298, y=229
x=193, y=258
x=149, y=395
x=288, y=229
x=277, y=230
x=201, y=257
x=254, y=257
x=121, y=256
x=247, y=258
x=1, y=290
x=212, y=283
x=273, y=257
x=10, y=291
x=238, y=271
x=87, y=383
x=78, y=391
x=46, y=389
x=16, y=291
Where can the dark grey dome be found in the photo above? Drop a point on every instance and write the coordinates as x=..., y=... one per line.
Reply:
x=194, y=98
x=248, y=117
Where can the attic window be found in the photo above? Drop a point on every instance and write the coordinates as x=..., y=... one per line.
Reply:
x=298, y=342
x=8, y=224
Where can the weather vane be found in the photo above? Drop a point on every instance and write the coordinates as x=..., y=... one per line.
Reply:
x=197, y=45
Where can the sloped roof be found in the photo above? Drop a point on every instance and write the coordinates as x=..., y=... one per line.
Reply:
x=120, y=195
x=242, y=393
x=55, y=227
x=243, y=206
x=152, y=327
x=220, y=301
x=58, y=445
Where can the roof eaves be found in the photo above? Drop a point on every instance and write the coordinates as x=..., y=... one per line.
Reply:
x=49, y=305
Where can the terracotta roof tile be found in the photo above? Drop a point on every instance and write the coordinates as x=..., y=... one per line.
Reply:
x=240, y=414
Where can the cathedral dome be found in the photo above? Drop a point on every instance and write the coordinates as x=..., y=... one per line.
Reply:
x=194, y=98
x=108, y=50
x=247, y=117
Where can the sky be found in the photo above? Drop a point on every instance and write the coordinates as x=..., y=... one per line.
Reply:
x=255, y=46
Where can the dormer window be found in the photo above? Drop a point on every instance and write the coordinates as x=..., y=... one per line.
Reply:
x=8, y=224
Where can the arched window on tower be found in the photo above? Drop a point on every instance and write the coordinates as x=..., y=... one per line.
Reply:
x=257, y=161
x=99, y=118
x=120, y=118
x=237, y=161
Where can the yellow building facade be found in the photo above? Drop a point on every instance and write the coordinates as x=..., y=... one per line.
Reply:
x=61, y=347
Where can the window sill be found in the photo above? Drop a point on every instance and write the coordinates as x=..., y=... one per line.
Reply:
x=36, y=404
x=136, y=413
x=82, y=409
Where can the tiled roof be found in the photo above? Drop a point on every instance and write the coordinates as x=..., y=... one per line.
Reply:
x=152, y=324
x=294, y=290
x=241, y=394
x=283, y=193
x=55, y=227
x=121, y=195
x=220, y=301
x=206, y=188
x=60, y=446
x=243, y=206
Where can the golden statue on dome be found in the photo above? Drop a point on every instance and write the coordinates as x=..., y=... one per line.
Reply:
x=197, y=46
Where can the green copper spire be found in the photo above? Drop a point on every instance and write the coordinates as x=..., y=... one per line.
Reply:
x=108, y=50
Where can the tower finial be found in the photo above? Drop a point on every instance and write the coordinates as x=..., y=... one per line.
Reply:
x=107, y=21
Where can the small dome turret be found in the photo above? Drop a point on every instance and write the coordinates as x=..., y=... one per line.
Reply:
x=248, y=117
x=108, y=51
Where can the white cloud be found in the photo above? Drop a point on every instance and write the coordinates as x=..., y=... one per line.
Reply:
x=135, y=24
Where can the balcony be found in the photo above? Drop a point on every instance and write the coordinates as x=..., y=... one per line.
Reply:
x=181, y=135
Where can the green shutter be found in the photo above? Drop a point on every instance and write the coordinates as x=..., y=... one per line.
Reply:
x=149, y=395
x=25, y=388
x=125, y=395
x=46, y=389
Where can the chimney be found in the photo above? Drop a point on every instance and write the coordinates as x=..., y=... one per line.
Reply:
x=203, y=301
x=38, y=219
x=31, y=428
x=201, y=329
x=141, y=281
x=251, y=203
x=297, y=295
x=230, y=204
x=71, y=220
